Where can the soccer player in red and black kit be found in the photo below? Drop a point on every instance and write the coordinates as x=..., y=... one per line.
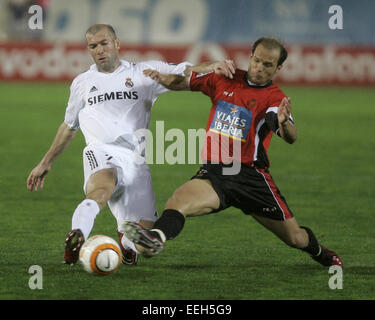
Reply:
x=247, y=108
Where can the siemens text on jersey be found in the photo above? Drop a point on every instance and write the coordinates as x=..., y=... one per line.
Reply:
x=118, y=95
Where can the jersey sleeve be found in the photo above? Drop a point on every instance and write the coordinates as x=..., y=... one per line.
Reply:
x=204, y=82
x=164, y=67
x=75, y=104
x=271, y=112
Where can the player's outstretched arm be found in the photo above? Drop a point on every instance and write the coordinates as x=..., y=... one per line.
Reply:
x=226, y=68
x=288, y=130
x=62, y=140
x=170, y=81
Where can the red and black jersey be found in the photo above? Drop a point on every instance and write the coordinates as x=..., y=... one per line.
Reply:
x=241, y=113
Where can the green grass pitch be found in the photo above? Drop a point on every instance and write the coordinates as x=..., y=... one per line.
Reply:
x=327, y=177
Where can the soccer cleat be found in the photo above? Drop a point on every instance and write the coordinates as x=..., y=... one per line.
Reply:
x=328, y=258
x=129, y=256
x=73, y=243
x=145, y=238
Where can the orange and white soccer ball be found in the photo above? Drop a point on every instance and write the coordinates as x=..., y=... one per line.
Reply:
x=100, y=255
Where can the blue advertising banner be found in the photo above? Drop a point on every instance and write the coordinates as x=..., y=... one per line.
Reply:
x=316, y=22
x=294, y=21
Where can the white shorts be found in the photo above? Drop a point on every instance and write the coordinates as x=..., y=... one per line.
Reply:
x=133, y=198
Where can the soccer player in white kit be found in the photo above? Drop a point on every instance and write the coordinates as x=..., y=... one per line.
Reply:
x=109, y=102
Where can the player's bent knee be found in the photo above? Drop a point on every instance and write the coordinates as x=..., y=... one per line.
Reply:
x=100, y=195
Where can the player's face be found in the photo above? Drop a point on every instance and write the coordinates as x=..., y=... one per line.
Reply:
x=104, y=50
x=263, y=65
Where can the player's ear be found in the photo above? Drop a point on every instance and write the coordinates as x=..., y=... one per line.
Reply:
x=117, y=43
x=279, y=67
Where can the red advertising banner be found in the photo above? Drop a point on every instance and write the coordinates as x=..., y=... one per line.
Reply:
x=322, y=65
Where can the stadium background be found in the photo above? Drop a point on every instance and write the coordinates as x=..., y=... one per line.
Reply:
x=330, y=75
x=194, y=30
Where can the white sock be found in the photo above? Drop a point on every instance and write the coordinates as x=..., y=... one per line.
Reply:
x=126, y=243
x=84, y=216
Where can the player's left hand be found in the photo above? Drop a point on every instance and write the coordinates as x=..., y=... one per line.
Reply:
x=284, y=111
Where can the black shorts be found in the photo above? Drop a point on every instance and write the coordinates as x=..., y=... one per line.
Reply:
x=252, y=190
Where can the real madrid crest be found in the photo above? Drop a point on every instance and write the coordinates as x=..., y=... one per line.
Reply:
x=129, y=83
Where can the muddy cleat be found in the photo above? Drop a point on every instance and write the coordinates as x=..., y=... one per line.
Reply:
x=145, y=238
x=129, y=256
x=73, y=243
x=328, y=258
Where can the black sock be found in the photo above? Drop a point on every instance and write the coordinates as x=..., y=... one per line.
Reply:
x=313, y=247
x=171, y=223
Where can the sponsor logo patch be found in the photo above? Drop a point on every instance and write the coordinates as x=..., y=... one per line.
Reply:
x=231, y=120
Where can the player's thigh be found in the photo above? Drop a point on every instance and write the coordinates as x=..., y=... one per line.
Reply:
x=101, y=184
x=100, y=176
x=195, y=197
x=287, y=230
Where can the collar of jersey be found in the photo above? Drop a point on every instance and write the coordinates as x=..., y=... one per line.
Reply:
x=123, y=64
x=252, y=85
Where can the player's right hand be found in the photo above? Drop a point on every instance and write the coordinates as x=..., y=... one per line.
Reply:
x=37, y=177
x=170, y=80
x=226, y=68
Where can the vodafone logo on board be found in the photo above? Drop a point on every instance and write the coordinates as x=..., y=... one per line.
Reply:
x=305, y=64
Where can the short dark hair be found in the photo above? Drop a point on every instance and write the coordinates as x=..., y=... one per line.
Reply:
x=272, y=43
x=97, y=27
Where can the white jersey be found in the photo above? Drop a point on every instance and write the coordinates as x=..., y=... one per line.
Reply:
x=115, y=105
